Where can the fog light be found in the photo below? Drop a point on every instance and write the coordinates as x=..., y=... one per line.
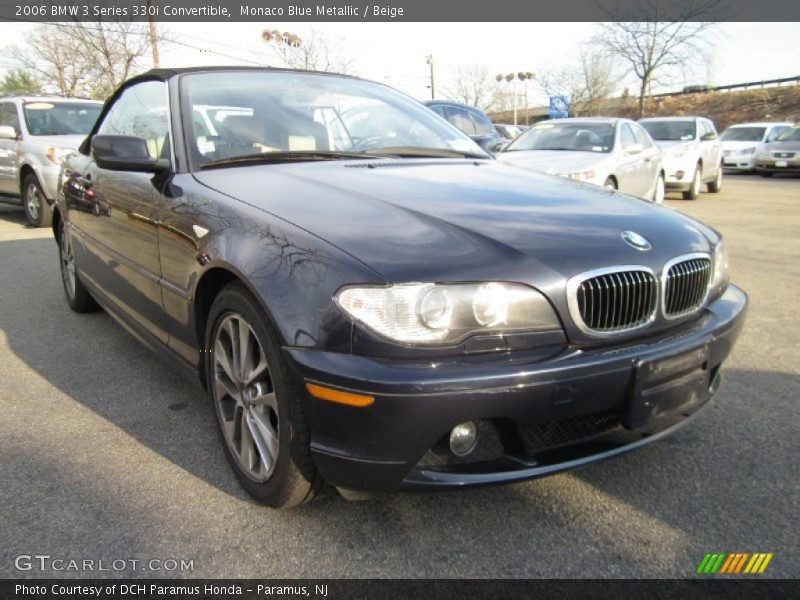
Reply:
x=463, y=438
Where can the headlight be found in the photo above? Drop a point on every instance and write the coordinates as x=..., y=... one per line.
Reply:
x=679, y=154
x=427, y=313
x=579, y=175
x=721, y=269
x=747, y=151
x=56, y=155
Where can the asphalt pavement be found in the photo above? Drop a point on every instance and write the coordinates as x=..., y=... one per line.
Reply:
x=106, y=454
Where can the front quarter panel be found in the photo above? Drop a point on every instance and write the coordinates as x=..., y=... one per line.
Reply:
x=291, y=272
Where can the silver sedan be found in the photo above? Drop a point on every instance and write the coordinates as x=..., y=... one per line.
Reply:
x=613, y=153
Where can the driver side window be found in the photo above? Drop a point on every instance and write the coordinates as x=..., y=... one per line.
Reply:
x=141, y=111
x=626, y=136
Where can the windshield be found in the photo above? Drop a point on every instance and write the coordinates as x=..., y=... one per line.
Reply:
x=670, y=131
x=305, y=115
x=790, y=135
x=60, y=118
x=744, y=134
x=577, y=136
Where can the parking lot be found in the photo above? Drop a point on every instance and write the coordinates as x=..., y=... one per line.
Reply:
x=106, y=454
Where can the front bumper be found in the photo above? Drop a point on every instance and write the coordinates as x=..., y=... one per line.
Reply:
x=678, y=174
x=778, y=165
x=737, y=162
x=537, y=414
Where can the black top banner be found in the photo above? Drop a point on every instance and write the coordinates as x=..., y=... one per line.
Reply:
x=400, y=10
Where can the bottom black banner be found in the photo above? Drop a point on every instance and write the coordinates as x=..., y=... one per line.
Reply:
x=251, y=589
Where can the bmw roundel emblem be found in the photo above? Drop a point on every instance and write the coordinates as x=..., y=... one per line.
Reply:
x=637, y=241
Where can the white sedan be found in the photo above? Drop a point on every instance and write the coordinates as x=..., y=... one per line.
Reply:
x=614, y=153
x=741, y=143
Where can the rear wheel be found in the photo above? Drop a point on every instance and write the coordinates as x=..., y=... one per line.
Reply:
x=261, y=421
x=715, y=186
x=693, y=193
x=78, y=296
x=37, y=211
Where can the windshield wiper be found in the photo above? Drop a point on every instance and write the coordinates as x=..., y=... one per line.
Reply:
x=423, y=152
x=269, y=157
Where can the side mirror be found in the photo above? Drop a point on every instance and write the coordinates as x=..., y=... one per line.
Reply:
x=498, y=147
x=7, y=133
x=709, y=136
x=634, y=149
x=125, y=153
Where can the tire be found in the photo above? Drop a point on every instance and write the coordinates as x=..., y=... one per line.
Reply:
x=260, y=418
x=37, y=211
x=766, y=174
x=693, y=193
x=610, y=184
x=715, y=186
x=77, y=295
x=660, y=190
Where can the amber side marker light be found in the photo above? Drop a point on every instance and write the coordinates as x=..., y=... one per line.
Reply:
x=338, y=396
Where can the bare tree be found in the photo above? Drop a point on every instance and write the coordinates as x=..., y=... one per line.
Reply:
x=588, y=81
x=473, y=85
x=85, y=59
x=658, y=37
x=53, y=57
x=315, y=52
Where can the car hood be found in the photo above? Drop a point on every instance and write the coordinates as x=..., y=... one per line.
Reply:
x=674, y=146
x=783, y=146
x=553, y=161
x=445, y=220
x=59, y=141
x=738, y=145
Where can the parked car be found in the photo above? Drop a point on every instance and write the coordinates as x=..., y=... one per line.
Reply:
x=741, y=143
x=613, y=153
x=781, y=155
x=470, y=120
x=508, y=132
x=394, y=312
x=692, y=153
x=35, y=135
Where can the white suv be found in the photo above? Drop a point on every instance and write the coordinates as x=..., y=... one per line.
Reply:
x=36, y=133
x=692, y=153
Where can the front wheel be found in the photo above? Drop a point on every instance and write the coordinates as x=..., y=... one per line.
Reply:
x=693, y=193
x=261, y=421
x=78, y=296
x=610, y=184
x=659, y=191
x=716, y=186
x=37, y=211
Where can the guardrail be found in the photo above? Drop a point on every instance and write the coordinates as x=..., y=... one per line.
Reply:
x=734, y=86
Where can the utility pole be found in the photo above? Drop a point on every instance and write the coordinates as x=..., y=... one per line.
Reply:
x=153, y=34
x=429, y=60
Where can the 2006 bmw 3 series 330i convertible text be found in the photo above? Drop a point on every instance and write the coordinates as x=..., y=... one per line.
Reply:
x=372, y=301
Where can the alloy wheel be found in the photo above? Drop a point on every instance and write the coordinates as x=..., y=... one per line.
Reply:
x=697, y=183
x=33, y=201
x=658, y=197
x=244, y=397
x=68, y=264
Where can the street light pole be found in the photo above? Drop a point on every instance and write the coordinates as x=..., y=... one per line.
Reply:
x=522, y=76
x=429, y=60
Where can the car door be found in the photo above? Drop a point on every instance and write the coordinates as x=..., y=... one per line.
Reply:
x=9, y=177
x=120, y=219
x=650, y=155
x=630, y=162
x=710, y=148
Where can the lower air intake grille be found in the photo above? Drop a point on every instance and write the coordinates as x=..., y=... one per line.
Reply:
x=617, y=301
x=685, y=286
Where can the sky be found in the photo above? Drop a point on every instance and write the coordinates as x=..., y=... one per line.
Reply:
x=395, y=53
